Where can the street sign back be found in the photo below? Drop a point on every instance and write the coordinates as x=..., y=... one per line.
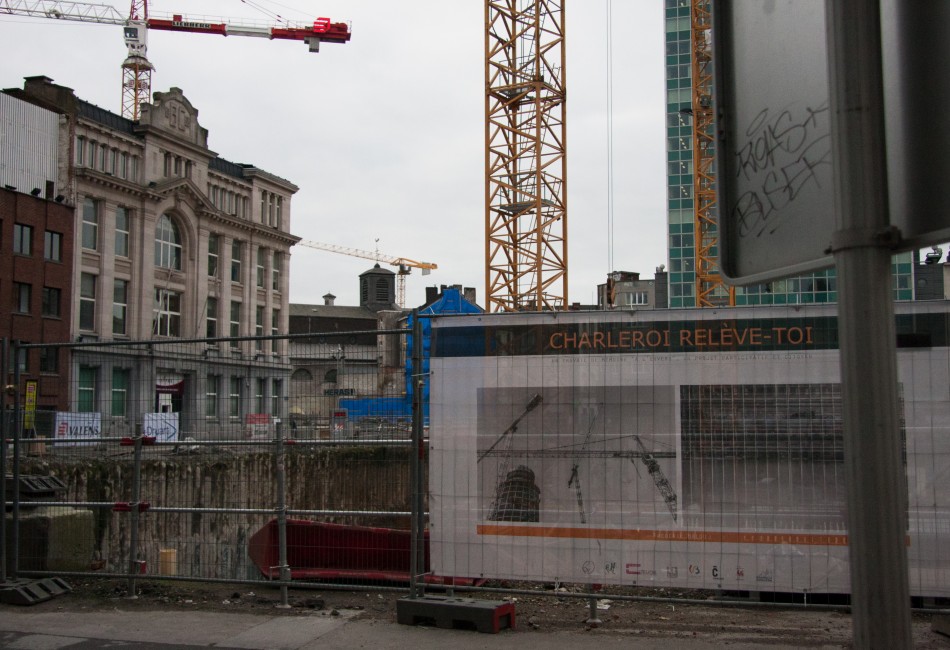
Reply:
x=774, y=160
x=775, y=168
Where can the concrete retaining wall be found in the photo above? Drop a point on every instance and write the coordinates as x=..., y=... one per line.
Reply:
x=214, y=545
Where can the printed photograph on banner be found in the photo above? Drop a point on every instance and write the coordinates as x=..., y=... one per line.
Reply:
x=578, y=455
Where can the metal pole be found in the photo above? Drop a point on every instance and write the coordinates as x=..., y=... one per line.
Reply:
x=15, y=527
x=280, y=471
x=134, y=565
x=417, y=557
x=593, y=618
x=877, y=498
x=3, y=466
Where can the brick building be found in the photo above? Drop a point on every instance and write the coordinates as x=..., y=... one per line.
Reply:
x=36, y=254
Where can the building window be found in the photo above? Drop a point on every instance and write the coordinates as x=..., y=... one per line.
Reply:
x=263, y=206
x=121, y=232
x=21, y=297
x=90, y=224
x=234, y=397
x=167, y=244
x=49, y=359
x=211, y=397
x=120, y=392
x=277, y=219
x=93, y=150
x=274, y=322
x=214, y=243
x=120, y=306
x=271, y=203
x=167, y=313
x=237, y=252
x=52, y=246
x=211, y=321
x=86, y=391
x=23, y=359
x=22, y=239
x=80, y=151
x=259, y=328
x=261, y=268
x=123, y=165
x=52, y=298
x=235, y=322
x=87, y=302
x=261, y=390
x=275, y=272
x=636, y=298
x=276, y=390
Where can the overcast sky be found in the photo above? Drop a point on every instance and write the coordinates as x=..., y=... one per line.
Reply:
x=385, y=135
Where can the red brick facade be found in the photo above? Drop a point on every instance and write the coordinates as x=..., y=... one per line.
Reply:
x=25, y=272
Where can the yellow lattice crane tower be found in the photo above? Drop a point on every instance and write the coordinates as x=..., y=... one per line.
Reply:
x=525, y=161
x=710, y=289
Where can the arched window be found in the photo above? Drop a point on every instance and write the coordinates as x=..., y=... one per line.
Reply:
x=167, y=244
x=301, y=374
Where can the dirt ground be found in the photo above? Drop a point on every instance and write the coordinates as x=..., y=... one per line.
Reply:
x=553, y=611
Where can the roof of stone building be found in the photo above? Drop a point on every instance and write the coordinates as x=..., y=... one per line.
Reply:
x=331, y=311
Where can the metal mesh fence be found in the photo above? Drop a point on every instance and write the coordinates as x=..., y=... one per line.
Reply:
x=266, y=458
x=303, y=460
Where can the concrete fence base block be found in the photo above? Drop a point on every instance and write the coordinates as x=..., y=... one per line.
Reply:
x=456, y=613
x=31, y=592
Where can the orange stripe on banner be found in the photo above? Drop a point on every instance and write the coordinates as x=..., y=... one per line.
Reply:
x=725, y=537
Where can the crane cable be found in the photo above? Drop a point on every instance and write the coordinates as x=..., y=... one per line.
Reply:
x=610, y=141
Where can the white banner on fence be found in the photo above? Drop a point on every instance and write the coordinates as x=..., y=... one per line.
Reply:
x=164, y=426
x=696, y=449
x=78, y=425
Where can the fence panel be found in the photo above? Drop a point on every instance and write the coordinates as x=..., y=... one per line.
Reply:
x=196, y=459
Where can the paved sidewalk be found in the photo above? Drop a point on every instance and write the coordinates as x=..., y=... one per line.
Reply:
x=26, y=628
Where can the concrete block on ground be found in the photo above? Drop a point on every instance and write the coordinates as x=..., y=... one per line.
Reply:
x=53, y=539
x=488, y=616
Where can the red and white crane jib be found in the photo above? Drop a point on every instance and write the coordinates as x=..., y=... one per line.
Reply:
x=322, y=29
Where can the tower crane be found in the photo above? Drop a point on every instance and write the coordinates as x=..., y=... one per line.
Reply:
x=136, y=69
x=404, y=265
x=711, y=291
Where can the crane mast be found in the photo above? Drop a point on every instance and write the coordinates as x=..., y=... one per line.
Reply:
x=711, y=291
x=136, y=69
x=525, y=156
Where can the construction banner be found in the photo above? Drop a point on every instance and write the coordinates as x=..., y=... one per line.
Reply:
x=682, y=448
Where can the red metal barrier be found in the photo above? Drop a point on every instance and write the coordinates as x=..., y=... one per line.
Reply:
x=322, y=551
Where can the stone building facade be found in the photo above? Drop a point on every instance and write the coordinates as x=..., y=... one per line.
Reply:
x=172, y=244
